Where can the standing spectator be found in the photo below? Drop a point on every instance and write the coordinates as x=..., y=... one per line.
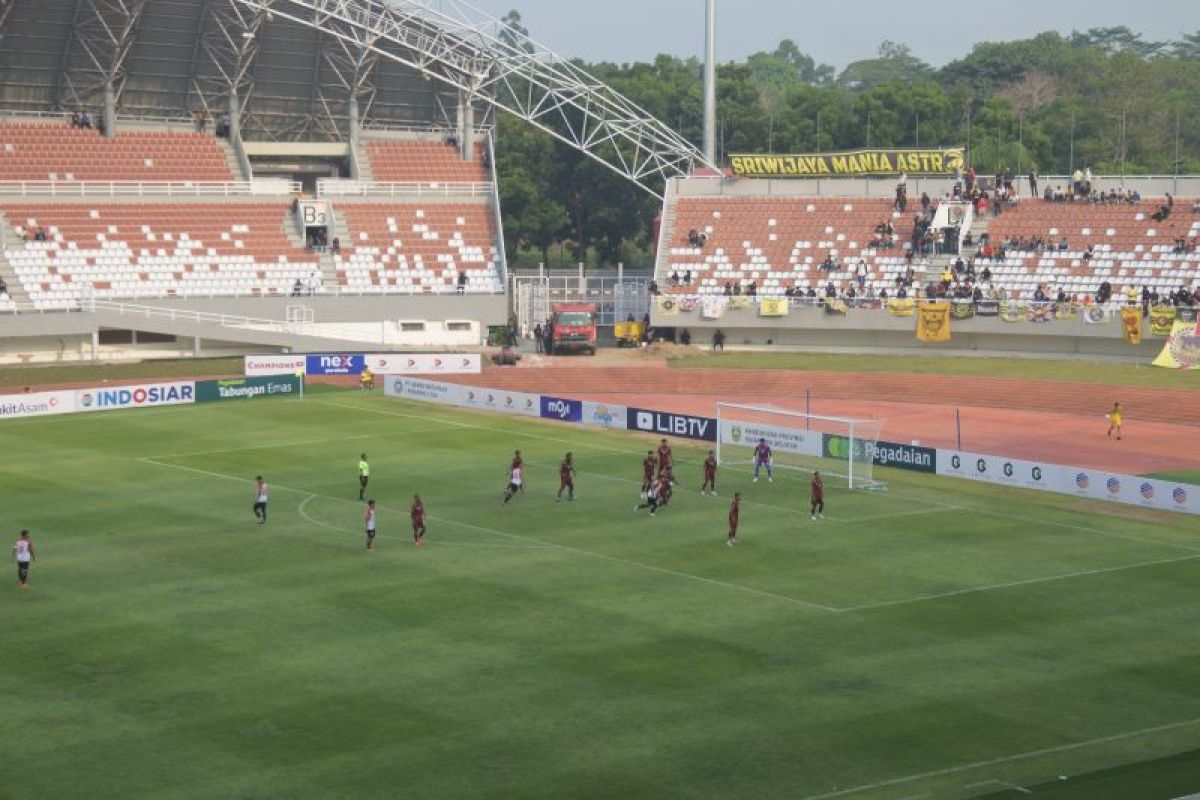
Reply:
x=860, y=273
x=1033, y=183
x=538, y=337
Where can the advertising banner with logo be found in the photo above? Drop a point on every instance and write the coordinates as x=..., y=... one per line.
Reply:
x=783, y=440
x=528, y=405
x=334, y=364
x=424, y=363
x=36, y=404
x=561, y=409
x=106, y=398
x=1075, y=481
x=605, y=415
x=256, y=366
x=419, y=389
x=248, y=388
x=683, y=426
x=886, y=454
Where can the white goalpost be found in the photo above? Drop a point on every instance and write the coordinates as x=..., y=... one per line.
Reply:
x=842, y=448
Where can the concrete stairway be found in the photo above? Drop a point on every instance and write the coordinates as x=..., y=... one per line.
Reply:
x=234, y=165
x=15, y=289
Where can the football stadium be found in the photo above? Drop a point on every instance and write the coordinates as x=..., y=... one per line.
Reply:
x=395, y=405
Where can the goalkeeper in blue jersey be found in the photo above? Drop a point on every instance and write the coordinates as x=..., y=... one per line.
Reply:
x=762, y=458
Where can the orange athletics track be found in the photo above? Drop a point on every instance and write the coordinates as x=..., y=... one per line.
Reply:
x=1058, y=422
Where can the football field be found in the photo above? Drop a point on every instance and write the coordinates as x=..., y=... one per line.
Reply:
x=939, y=639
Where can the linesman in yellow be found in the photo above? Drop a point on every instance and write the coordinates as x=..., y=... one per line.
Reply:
x=1114, y=421
x=366, y=381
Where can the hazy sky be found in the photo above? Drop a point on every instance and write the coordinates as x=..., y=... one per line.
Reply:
x=831, y=32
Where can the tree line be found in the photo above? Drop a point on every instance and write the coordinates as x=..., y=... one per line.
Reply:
x=1104, y=98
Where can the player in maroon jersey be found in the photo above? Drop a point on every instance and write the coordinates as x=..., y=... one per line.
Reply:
x=667, y=482
x=648, y=464
x=818, y=496
x=566, y=479
x=416, y=513
x=709, y=486
x=731, y=538
x=664, y=458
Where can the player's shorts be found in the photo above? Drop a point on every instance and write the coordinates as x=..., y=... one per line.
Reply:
x=260, y=506
x=362, y=480
x=370, y=534
x=418, y=524
x=569, y=482
x=514, y=487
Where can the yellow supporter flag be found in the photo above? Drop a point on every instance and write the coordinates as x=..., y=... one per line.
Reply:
x=1182, y=349
x=1162, y=320
x=668, y=306
x=772, y=307
x=1131, y=316
x=901, y=307
x=933, y=322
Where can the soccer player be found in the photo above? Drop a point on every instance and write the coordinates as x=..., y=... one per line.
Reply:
x=731, y=537
x=369, y=522
x=417, y=514
x=22, y=553
x=519, y=463
x=664, y=458
x=1114, y=421
x=817, y=495
x=709, y=486
x=665, y=490
x=566, y=479
x=762, y=458
x=654, y=497
x=364, y=475
x=260, y=500
x=366, y=381
x=516, y=480
x=648, y=464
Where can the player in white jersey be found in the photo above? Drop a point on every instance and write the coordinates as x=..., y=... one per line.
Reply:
x=260, y=500
x=23, y=555
x=516, y=478
x=369, y=522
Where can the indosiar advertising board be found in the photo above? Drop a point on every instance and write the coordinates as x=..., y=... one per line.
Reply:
x=884, y=454
x=111, y=398
x=248, y=388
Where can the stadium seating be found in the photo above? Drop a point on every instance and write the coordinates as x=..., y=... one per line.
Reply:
x=424, y=162
x=419, y=248
x=780, y=242
x=58, y=152
x=139, y=251
x=1128, y=247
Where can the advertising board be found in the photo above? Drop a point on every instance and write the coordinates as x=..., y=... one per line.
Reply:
x=424, y=363
x=683, y=426
x=248, y=388
x=256, y=366
x=36, y=404
x=605, y=415
x=147, y=395
x=780, y=439
x=561, y=409
x=334, y=364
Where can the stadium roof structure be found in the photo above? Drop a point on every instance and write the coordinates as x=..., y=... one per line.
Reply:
x=294, y=70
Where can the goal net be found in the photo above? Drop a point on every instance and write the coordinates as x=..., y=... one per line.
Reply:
x=842, y=448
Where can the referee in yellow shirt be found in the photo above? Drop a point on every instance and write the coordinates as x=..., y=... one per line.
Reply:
x=364, y=475
x=1114, y=421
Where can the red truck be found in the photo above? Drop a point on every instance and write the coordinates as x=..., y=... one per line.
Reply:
x=572, y=328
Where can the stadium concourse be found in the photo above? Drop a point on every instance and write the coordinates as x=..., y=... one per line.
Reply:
x=1030, y=419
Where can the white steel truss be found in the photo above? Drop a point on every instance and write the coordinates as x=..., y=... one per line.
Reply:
x=456, y=43
x=103, y=32
x=227, y=45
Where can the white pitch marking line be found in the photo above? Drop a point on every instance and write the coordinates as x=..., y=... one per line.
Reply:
x=518, y=537
x=1048, y=579
x=1065, y=748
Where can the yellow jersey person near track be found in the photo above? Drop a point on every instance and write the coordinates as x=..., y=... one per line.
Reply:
x=1114, y=421
x=364, y=475
x=366, y=381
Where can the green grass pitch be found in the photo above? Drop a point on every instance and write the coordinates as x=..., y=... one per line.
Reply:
x=940, y=639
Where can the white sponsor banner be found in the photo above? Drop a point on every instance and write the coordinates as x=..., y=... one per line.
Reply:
x=36, y=404
x=263, y=366
x=606, y=415
x=419, y=389
x=529, y=405
x=780, y=439
x=1093, y=484
x=147, y=395
x=424, y=363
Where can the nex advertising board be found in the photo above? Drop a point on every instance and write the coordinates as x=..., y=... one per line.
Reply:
x=334, y=363
x=148, y=395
